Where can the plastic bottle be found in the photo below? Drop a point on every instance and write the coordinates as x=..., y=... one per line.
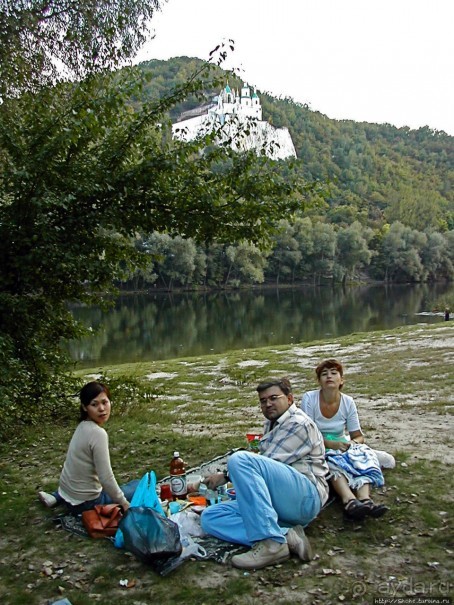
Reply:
x=178, y=484
x=222, y=493
x=203, y=489
x=211, y=497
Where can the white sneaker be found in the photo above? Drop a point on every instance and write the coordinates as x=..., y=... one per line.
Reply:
x=262, y=554
x=299, y=544
x=47, y=499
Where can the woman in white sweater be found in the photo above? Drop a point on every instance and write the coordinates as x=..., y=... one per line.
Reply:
x=336, y=416
x=87, y=478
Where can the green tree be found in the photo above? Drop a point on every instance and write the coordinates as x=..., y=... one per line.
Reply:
x=247, y=263
x=435, y=258
x=44, y=42
x=322, y=258
x=286, y=255
x=449, y=237
x=82, y=173
x=401, y=250
x=303, y=233
x=179, y=261
x=216, y=264
x=417, y=208
x=352, y=251
x=200, y=266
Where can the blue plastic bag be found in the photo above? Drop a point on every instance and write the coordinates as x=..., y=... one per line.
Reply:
x=145, y=495
x=151, y=537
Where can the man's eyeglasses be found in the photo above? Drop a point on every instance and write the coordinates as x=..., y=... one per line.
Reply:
x=271, y=398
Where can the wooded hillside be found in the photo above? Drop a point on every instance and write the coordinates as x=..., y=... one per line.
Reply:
x=375, y=173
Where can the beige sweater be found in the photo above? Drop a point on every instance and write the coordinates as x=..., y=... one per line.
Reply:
x=87, y=468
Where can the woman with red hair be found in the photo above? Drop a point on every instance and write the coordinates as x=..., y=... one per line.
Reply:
x=354, y=466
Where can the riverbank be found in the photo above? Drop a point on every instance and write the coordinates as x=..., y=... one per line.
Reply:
x=403, y=383
x=392, y=375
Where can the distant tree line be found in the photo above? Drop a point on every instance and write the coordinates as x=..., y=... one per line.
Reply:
x=300, y=251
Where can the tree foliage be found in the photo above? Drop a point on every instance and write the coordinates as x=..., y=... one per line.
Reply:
x=352, y=249
x=377, y=173
x=82, y=172
x=43, y=42
x=301, y=252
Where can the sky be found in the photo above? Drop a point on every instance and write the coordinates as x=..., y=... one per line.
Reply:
x=381, y=61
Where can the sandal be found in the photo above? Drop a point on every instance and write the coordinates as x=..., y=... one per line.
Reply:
x=372, y=509
x=354, y=509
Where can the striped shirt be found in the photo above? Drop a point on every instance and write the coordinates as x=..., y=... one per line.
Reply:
x=295, y=440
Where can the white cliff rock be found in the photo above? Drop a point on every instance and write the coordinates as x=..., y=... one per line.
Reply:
x=237, y=119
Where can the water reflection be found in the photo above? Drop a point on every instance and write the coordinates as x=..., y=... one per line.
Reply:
x=161, y=326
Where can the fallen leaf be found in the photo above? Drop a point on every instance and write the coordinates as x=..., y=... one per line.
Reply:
x=98, y=580
x=329, y=572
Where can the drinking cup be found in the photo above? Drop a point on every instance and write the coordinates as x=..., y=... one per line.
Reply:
x=174, y=507
x=166, y=493
x=253, y=440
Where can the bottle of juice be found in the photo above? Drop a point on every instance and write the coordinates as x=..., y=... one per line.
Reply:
x=178, y=484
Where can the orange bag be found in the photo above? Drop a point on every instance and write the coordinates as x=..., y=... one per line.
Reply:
x=102, y=521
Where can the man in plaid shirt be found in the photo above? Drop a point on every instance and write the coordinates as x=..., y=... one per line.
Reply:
x=278, y=491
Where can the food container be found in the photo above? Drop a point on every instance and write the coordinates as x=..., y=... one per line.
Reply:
x=231, y=493
x=193, y=482
x=197, y=499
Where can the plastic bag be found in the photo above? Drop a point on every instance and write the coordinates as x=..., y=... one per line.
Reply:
x=149, y=535
x=385, y=460
x=145, y=495
x=188, y=524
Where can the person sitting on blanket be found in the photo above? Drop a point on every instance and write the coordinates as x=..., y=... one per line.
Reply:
x=87, y=478
x=354, y=466
x=278, y=491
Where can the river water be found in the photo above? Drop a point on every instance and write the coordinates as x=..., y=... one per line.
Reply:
x=168, y=325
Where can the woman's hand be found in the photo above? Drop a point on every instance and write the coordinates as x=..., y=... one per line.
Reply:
x=337, y=445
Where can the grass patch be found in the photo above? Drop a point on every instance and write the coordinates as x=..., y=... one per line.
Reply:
x=204, y=406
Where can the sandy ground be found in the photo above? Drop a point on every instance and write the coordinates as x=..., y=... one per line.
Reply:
x=401, y=422
x=420, y=424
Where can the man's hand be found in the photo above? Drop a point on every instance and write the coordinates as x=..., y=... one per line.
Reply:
x=215, y=480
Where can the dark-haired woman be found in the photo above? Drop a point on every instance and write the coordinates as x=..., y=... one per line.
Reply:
x=87, y=478
x=354, y=466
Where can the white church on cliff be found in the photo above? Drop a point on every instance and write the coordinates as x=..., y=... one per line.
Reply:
x=236, y=116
